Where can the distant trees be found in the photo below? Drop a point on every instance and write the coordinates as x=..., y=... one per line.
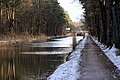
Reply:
x=103, y=20
x=32, y=17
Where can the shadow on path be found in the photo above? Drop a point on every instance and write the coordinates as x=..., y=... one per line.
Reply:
x=95, y=65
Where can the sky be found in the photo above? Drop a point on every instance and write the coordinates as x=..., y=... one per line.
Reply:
x=74, y=9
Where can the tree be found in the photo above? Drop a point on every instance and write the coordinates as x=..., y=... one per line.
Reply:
x=102, y=20
x=32, y=17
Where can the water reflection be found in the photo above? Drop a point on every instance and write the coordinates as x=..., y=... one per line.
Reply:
x=7, y=64
x=34, y=66
x=14, y=65
x=23, y=67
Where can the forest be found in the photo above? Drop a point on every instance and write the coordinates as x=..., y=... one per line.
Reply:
x=47, y=17
x=32, y=18
x=102, y=18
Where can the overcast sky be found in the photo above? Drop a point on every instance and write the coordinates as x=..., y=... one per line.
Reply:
x=73, y=8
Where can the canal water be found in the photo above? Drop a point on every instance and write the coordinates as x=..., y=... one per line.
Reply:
x=35, y=61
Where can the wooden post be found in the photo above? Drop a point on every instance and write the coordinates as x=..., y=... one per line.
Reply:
x=74, y=39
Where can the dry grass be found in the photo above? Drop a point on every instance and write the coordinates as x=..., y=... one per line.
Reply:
x=11, y=39
x=42, y=37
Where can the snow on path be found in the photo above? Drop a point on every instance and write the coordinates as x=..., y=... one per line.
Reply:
x=70, y=70
x=110, y=53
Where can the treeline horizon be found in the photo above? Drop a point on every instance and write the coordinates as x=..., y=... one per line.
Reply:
x=102, y=18
x=32, y=17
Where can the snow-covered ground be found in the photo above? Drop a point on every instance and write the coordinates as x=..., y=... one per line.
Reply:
x=70, y=70
x=111, y=54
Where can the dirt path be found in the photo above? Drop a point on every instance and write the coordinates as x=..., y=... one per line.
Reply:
x=95, y=65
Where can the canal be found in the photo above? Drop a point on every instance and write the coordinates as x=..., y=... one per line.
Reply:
x=34, y=61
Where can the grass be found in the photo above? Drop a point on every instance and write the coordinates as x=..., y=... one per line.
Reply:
x=11, y=39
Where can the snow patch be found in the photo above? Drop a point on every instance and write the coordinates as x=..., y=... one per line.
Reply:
x=67, y=71
x=111, y=54
x=70, y=70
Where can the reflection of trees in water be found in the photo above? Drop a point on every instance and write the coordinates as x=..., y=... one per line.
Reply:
x=7, y=65
x=14, y=66
x=36, y=65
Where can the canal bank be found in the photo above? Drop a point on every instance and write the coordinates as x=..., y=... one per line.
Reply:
x=70, y=70
x=27, y=40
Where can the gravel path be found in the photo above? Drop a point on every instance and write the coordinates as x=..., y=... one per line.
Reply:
x=95, y=65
